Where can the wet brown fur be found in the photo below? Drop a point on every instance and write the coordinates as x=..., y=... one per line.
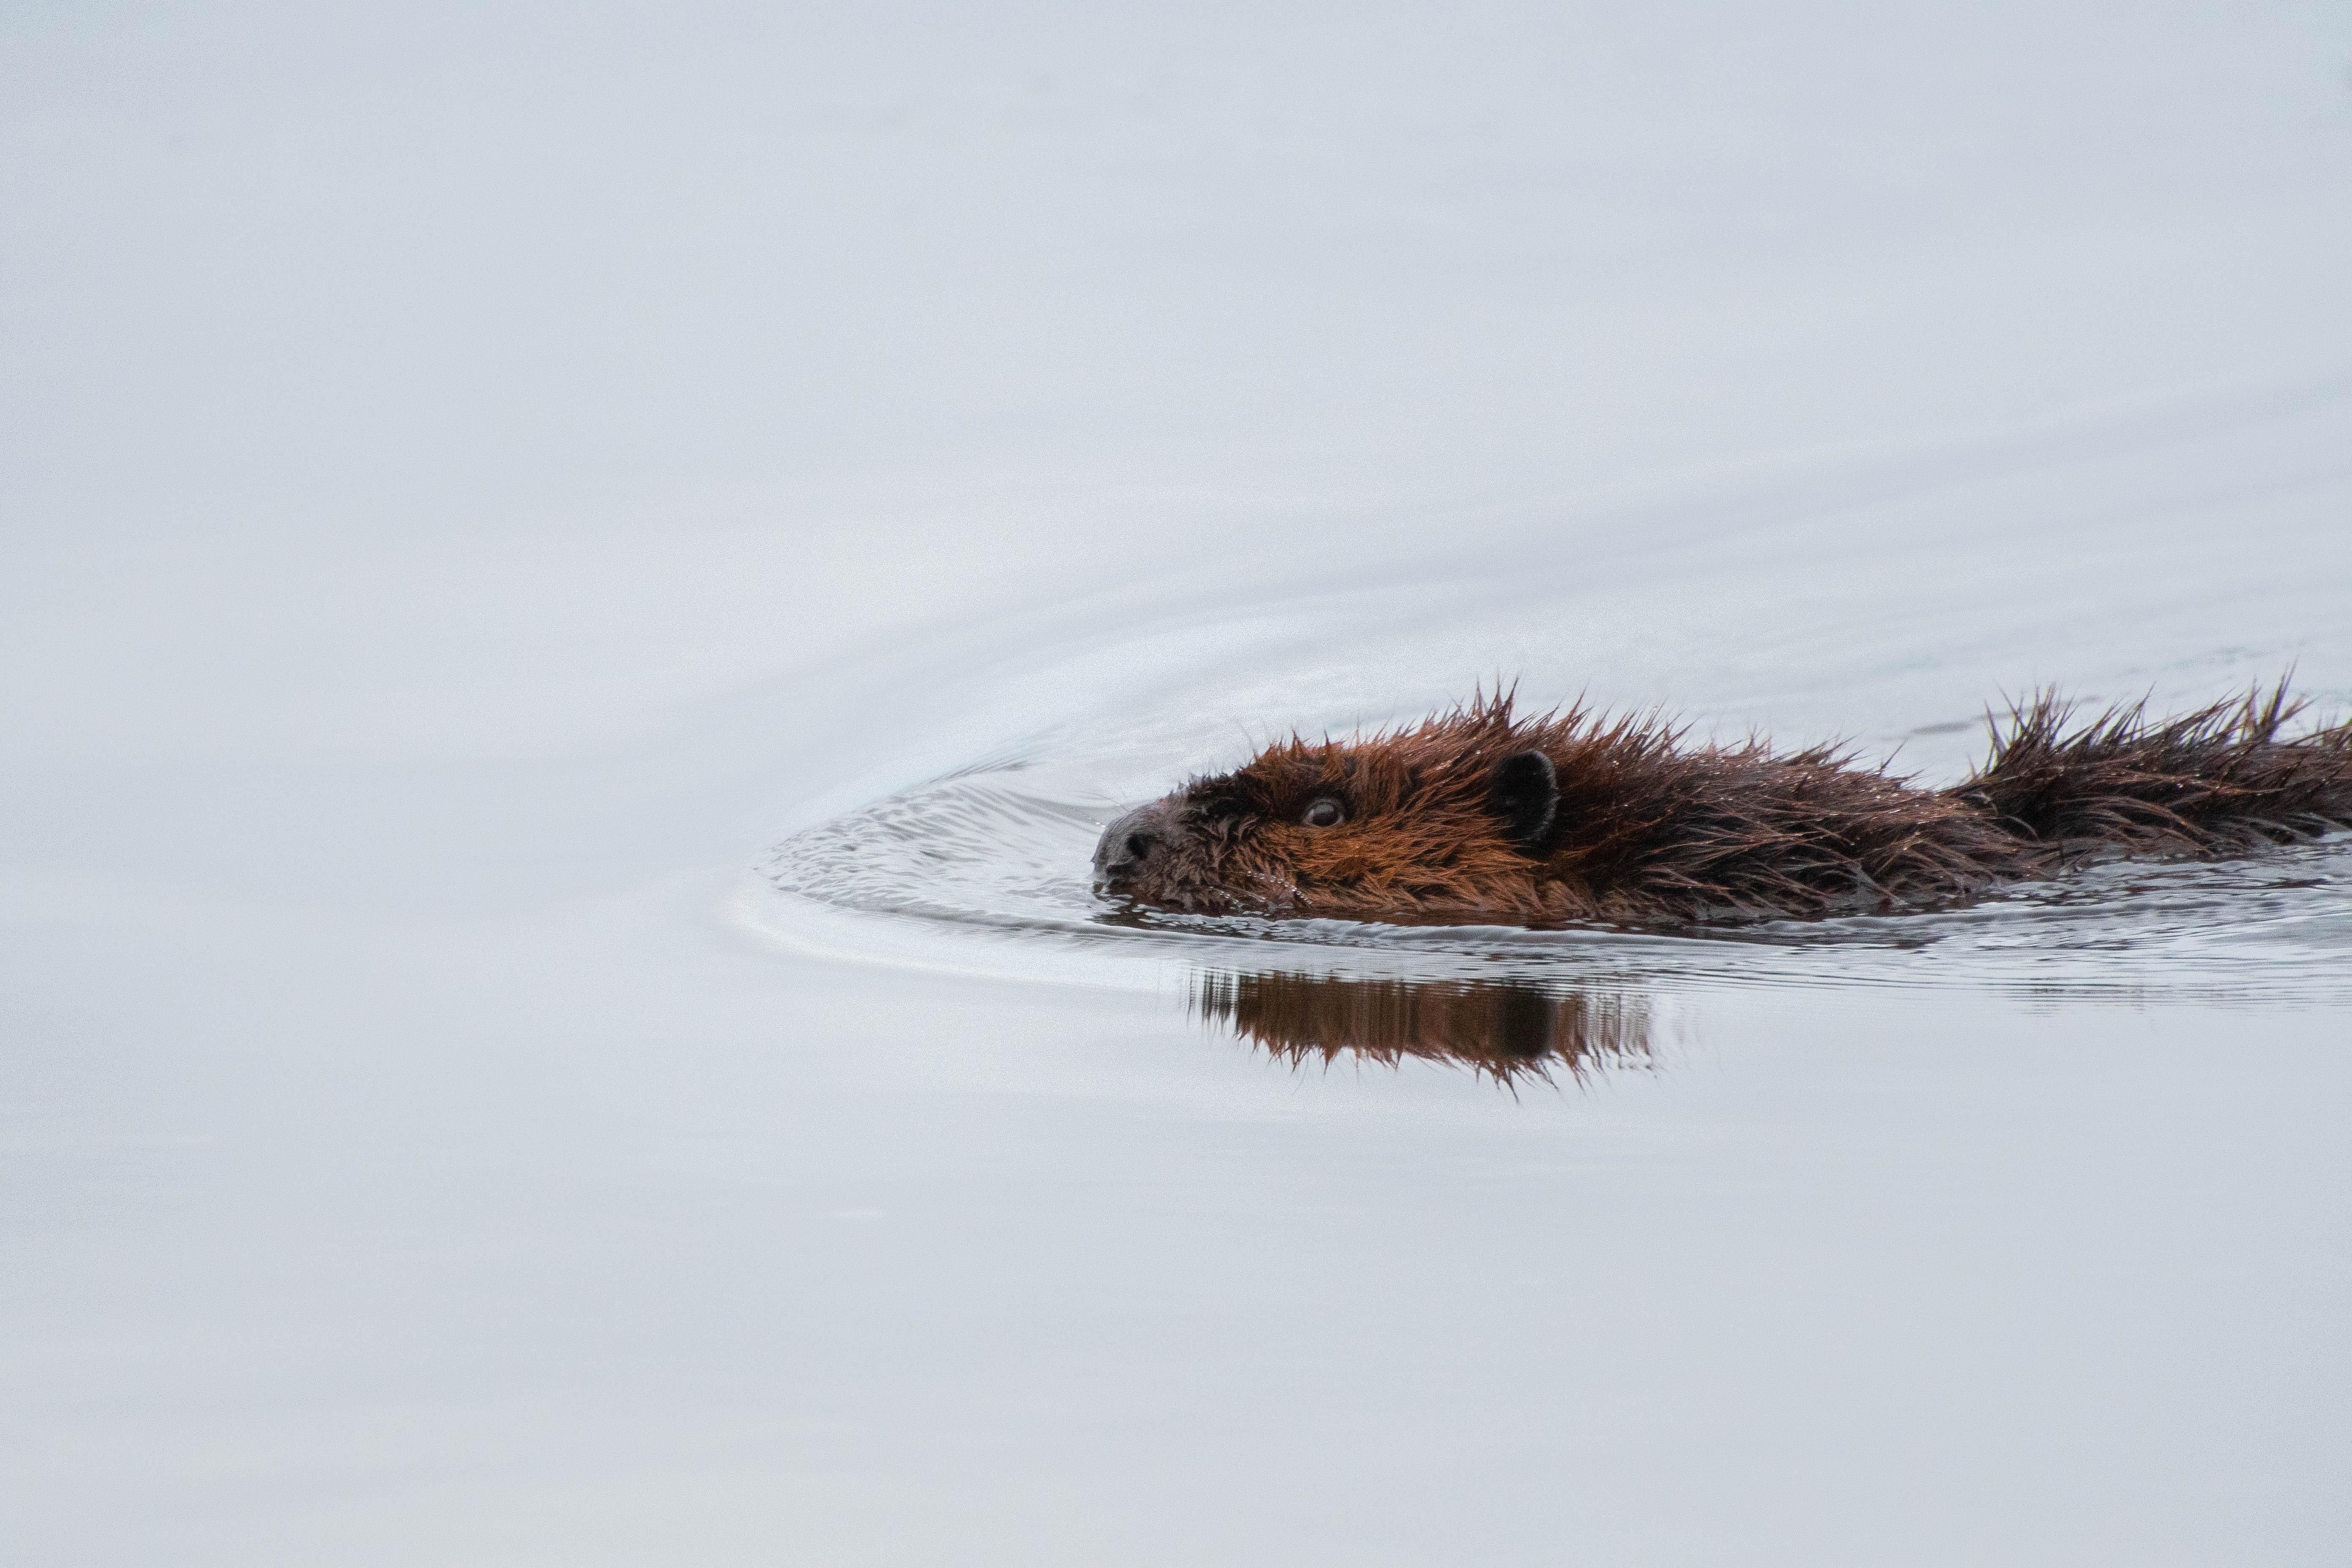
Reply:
x=1651, y=831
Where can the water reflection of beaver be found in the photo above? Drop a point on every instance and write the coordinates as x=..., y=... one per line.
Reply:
x=1505, y=1030
x=1479, y=816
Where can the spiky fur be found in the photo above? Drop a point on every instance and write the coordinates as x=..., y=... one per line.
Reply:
x=1651, y=832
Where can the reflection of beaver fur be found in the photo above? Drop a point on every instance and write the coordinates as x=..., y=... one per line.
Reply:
x=1505, y=1030
x=1479, y=816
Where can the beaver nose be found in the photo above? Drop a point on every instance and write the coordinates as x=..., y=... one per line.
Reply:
x=1130, y=844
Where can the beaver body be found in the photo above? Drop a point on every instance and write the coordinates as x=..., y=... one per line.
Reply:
x=1478, y=814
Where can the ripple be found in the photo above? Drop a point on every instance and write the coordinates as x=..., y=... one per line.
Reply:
x=988, y=868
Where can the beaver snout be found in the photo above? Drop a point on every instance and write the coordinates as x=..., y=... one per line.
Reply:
x=1135, y=845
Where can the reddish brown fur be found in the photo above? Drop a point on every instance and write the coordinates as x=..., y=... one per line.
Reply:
x=1650, y=832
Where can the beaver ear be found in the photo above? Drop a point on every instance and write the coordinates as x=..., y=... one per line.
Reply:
x=1525, y=793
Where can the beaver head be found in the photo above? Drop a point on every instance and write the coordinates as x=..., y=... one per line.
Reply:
x=1453, y=814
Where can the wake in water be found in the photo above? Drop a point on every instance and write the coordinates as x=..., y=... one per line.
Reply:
x=984, y=867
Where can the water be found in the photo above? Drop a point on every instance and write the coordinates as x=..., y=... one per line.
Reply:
x=579, y=594
x=989, y=866
x=984, y=865
x=985, y=868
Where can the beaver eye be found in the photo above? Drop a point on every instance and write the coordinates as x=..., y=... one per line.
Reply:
x=1323, y=813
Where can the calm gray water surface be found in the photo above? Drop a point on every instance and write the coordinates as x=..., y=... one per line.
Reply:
x=577, y=587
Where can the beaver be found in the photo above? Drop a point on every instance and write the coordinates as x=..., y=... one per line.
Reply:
x=1479, y=816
